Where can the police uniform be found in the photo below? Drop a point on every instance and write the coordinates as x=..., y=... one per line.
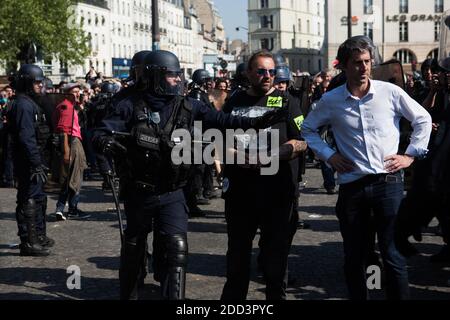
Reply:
x=30, y=133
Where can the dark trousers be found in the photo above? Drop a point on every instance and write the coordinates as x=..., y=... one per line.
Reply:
x=29, y=190
x=245, y=212
x=353, y=210
x=166, y=214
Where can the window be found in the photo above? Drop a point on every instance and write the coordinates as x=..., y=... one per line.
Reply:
x=267, y=44
x=308, y=44
x=368, y=29
x=96, y=42
x=438, y=6
x=404, y=56
x=307, y=5
x=368, y=6
x=403, y=30
x=433, y=54
x=318, y=8
x=264, y=3
x=307, y=26
x=90, y=40
x=403, y=6
x=267, y=22
x=299, y=25
x=318, y=28
x=437, y=30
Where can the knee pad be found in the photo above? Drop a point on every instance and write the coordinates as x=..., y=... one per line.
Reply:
x=30, y=208
x=177, y=250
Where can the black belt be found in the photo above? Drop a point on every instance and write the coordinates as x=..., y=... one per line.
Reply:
x=396, y=177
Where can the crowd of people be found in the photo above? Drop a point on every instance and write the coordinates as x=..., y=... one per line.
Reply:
x=348, y=124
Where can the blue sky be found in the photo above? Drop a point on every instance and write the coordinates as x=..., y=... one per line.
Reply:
x=234, y=14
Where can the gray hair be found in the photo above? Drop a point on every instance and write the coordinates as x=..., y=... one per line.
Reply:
x=358, y=44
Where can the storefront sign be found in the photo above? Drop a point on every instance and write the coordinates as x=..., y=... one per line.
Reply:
x=413, y=18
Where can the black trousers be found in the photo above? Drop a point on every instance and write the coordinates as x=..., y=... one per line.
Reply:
x=246, y=210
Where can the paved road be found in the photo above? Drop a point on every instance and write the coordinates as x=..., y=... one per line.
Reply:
x=315, y=262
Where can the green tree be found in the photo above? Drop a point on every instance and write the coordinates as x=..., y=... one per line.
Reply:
x=48, y=24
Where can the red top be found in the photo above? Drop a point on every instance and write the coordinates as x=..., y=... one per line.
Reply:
x=64, y=116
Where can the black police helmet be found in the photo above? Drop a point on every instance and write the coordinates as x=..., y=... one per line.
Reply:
x=241, y=71
x=162, y=59
x=108, y=87
x=138, y=58
x=157, y=66
x=28, y=73
x=200, y=76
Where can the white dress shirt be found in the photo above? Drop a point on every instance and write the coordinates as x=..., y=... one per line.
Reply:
x=367, y=130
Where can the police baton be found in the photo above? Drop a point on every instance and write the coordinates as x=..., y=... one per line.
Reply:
x=116, y=199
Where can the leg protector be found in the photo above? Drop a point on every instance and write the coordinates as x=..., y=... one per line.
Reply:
x=173, y=273
x=30, y=245
x=131, y=256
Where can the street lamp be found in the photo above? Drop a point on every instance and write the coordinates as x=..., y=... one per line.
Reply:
x=241, y=27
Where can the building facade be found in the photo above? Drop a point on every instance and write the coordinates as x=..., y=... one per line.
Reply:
x=294, y=27
x=407, y=30
x=117, y=29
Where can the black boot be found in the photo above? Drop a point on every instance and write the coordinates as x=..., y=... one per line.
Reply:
x=42, y=232
x=30, y=245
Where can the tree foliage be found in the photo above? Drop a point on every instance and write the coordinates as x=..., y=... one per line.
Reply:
x=49, y=24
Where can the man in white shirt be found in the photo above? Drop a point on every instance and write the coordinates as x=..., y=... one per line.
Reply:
x=365, y=115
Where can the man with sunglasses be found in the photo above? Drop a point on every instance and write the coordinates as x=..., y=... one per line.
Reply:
x=253, y=200
x=151, y=183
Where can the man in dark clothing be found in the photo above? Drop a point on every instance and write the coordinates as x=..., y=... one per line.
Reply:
x=253, y=200
x=30, y=132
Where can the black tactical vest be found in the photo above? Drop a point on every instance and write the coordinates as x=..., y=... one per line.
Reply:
x=150, y=159
x=41, y=127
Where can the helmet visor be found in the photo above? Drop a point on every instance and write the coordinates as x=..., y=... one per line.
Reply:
x=169, y=83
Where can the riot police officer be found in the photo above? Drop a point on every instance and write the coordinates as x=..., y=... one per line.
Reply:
x=134, y=79
x=151, y=183
x=30, y=133
x=240, y=80
x=201, y=82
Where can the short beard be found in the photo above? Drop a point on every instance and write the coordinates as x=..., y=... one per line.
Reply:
x=260, y=91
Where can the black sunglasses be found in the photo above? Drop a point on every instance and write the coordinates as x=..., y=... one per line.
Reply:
x=263, y=72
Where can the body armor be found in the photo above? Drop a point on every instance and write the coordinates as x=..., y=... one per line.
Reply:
x=150, y=160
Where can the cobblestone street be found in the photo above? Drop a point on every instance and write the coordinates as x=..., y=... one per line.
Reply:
x=315, y=263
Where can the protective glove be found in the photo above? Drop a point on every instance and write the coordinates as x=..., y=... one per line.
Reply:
x=39, y=174
x=270, y=118
x=109, y=145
